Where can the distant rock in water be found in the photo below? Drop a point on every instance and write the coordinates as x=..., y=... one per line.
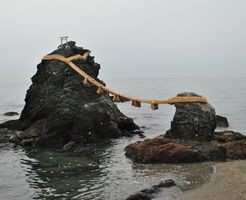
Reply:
x=194, y=121
x=11, y=114
x=60, y=109
x=221, y=122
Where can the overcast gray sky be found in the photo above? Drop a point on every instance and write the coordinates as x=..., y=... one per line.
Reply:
x=129, y=38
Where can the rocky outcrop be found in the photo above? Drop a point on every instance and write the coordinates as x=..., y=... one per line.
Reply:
x=166, y=150
x=190, y=139
x=60, y=109
x=148, y=194
x=221, y=122
x=195, y=121
x=162, y=150
x=224, y=145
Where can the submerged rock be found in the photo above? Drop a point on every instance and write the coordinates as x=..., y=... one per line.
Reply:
x=60, y=108
x=148, y=194
x=69, y=146
x=195, y=121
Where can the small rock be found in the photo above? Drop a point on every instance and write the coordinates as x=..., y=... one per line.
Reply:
x=31, y=132
x=139, y=196
x=236, y=150
x=68, y=146
x=221, y=122
x=148, y=194
x=27, y=142
x=14, y=136
x=11, y=114
x=228, y=136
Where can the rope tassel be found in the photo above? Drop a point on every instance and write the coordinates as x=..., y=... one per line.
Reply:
x=87, y=83
x=116, y=98
x=136, y=103
x=123, y=99
x=154, y=106
x=100, y=91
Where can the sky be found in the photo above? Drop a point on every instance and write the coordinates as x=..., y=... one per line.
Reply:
x=129, y=38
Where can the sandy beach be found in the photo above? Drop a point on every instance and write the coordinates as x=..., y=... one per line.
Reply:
x=227, y=183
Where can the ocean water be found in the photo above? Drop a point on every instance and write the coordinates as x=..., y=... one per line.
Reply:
x=102, y=171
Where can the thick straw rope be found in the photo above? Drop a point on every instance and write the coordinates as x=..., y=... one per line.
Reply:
x=118, y=97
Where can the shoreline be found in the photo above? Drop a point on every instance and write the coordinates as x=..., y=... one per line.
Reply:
x=227, y=183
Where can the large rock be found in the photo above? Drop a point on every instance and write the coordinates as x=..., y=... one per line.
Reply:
x=190, y=139
x=60, y=108
x=224, y=145
x=195, y=121
x=166, y=150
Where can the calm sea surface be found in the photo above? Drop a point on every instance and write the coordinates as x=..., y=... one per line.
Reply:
x=103, y=172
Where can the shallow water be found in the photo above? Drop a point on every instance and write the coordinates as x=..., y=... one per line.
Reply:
x=102, y=171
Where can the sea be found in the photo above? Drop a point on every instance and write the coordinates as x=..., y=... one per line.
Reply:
x=101, y=171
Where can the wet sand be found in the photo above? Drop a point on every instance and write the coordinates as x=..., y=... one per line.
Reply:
x=227, y=183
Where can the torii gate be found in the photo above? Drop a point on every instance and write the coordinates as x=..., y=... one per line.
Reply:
x=64, y=38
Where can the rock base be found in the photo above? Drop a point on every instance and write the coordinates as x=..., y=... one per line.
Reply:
x=227, y=145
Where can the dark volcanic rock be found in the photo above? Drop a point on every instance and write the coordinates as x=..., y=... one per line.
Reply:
x=11, y=113
x=60, y=108
x=148, y=194
x=221, y=122
x=194, y=121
